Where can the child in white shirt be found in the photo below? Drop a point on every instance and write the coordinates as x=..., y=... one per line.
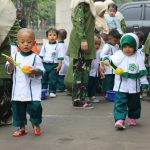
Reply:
x=128, y=83
x=109, y=49
x=94, y=78
x=113, y=21
x=26, y=92
x=62, y=34
x=52, y=58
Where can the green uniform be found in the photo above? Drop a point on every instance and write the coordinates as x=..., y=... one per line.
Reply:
x=50, y=77
x=146, y=50
x=83, y=29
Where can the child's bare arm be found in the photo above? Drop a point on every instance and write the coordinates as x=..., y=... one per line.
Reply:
x=59, y=65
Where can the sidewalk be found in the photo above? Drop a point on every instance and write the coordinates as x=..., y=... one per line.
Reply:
x=67, y=128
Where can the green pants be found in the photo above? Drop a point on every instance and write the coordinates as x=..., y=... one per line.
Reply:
x=60, y=83
x=33, y=108
x=93, y=83
x=49, y=79
x=108, y=82
x=81, y=69
x=127, y=104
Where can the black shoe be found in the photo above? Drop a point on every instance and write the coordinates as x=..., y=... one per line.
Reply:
x=77, y=104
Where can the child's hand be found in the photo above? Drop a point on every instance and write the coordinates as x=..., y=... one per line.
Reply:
x=102, y=71
x=58, y=68
x=84, y=46
x=33, y=71
x=10, y=60
x=144, y=88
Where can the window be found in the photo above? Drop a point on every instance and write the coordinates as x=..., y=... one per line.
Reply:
x=132, y=12
x=147, y=12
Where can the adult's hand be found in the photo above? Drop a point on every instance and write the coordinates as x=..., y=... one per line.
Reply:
x=84, y=46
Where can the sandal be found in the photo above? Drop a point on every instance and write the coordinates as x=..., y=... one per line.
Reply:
x=36, y=130
x=19, y=133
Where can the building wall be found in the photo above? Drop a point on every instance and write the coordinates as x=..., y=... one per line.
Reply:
x=63, y=16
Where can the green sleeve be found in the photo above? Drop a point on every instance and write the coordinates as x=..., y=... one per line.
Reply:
x=146, y=48
x=79, y=20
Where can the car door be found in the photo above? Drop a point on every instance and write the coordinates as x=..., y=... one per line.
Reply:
x=133, y=13
x=146, y=20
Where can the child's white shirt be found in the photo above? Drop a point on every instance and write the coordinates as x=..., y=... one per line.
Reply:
x=132, y=65
x=26, y=88
x=65, y=62
x=95, y=65
x=51, y=53
x=13, y=50
x=109, y=50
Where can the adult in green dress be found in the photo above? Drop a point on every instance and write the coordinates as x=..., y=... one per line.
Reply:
x=81, y=48
x=146, y=50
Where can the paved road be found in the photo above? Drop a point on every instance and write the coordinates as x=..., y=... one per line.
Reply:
x=67, y=128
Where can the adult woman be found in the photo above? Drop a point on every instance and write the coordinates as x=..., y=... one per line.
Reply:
x=81, y=48
x=100, y=23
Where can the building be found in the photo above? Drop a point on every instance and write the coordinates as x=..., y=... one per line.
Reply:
x=63, y=16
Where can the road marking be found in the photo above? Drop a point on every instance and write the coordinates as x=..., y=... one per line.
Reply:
x=77, y=116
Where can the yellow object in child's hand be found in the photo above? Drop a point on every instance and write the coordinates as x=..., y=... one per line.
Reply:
x=119, y=71
x=26, y=69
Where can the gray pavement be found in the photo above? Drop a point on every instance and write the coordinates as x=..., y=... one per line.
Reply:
x=67, y=128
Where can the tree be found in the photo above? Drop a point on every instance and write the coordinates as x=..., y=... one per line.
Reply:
x=36, y=11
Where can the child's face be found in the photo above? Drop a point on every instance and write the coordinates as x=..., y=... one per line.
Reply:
x=113, y=40
x=128, y=50
x=52, y=36
x=112, y=11
x=25, y=41
x=97, y=43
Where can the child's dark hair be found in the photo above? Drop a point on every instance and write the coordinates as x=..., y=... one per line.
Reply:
x=51, y=30
x=104, y=36
x=62, y=34
x=140, y=35
x=112, y=5
x=114, y=33
x=97, y=36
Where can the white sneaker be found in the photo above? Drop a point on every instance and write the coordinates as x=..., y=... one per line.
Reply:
x=52, y=95
x=96, y=100
x=47, y=95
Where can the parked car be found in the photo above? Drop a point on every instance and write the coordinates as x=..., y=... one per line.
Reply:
x=137, y=16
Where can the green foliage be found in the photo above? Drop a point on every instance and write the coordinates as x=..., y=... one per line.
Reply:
x=37, y=10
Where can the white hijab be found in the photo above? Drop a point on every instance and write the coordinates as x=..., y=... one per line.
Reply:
x=100, y=22
x=107, y=2
x=7, y=18
x=74, y=3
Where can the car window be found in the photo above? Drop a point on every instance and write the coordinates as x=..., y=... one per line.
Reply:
x=132, y=12
x=147, y=12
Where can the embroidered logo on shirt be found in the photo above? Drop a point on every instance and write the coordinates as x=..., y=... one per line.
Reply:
x=53, y=55
x=132, y=67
